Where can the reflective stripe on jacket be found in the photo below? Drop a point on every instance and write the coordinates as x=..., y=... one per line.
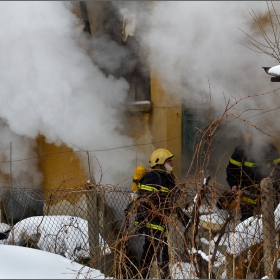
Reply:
x=248, y=166
x=150, y=225
x=153, y=189
x=153, y=226
x=252, y=164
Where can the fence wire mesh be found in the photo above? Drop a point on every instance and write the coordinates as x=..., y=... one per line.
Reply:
x=90, y=226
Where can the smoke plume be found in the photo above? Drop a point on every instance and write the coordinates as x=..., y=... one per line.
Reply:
x=51, y=85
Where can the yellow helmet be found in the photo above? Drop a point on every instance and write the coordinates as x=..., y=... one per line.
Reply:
x=160, y=156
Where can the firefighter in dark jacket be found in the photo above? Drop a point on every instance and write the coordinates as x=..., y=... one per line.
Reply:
x=251, y=162
x=155, y=205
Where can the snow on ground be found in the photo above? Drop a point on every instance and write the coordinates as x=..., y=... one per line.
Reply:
x=26, y=263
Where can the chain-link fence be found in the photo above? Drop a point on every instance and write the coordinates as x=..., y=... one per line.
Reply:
x=89, y=225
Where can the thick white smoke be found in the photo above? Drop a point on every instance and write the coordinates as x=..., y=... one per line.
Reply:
x=50, y=86
x=196, y=45
x=21, y=151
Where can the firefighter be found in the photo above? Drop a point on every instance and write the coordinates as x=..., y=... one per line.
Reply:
x=155, y=204
x=251, y=162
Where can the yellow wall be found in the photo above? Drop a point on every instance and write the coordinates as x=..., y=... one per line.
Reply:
x=160, y=127
x=61, y=167
x=166, y=120
x=137, y=126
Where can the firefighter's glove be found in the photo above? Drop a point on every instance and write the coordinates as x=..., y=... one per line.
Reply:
x=134, y=195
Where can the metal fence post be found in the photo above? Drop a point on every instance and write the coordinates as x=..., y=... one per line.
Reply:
x=268, y=221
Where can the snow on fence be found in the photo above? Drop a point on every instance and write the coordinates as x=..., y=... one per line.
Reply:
x=80, y=224
x=85, y=224
x=63, y=235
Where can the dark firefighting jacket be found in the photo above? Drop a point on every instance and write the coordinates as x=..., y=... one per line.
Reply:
x=247, y=167
x=155, y=201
